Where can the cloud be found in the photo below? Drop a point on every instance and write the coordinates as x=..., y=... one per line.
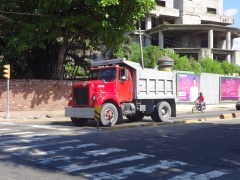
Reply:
x=231, y=12
x=236, y=44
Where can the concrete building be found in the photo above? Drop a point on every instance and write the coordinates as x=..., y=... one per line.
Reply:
x=196, y=28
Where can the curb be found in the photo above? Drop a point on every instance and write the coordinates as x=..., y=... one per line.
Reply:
x=222, y=116
x=227, y=116
x=38, y=119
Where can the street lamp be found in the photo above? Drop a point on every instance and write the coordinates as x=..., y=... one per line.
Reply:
x=140, y=40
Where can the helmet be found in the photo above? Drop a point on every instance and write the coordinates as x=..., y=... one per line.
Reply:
x=200, y=93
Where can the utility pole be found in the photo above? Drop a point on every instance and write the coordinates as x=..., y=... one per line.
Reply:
x=6, y=75
x=140, y=39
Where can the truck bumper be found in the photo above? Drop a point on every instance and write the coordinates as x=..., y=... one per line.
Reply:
x=79, y=112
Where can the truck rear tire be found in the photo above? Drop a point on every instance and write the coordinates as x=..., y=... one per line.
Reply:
x=162, y=112
x=79, y=121
x=109, y=115
x=136, y=117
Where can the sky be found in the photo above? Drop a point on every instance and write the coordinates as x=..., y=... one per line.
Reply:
x=232, y=8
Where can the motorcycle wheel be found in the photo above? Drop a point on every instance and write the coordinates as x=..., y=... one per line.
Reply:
x=194, y=109
x=203, y=108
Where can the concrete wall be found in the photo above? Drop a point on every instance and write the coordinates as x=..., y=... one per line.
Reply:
x=209, y=85
x=54, y=94
x=35, y=94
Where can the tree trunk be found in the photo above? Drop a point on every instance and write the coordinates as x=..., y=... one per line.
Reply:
x=61, y=56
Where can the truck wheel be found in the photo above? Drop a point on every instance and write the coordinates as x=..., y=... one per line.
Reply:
x=109, y=115
x=162, y=111
x=153, y=116
x=79, y=121
x=136, y=117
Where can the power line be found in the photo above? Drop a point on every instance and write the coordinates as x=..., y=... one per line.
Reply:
x=30, y=14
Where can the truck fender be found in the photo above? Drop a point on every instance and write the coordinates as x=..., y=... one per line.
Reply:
x=108, y=98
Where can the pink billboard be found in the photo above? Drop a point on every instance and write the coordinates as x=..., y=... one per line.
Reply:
x=188, y=86
x=230, y=89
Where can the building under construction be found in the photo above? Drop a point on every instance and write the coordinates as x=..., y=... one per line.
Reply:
x=196, y=28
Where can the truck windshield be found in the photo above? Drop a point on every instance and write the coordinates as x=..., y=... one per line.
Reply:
x=108, y=74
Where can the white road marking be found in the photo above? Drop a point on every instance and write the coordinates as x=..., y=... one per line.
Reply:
x=103, y=151
x=51, y=159
x=162, y=164
x=86, y=145
x=19, y=133
x=48, y=127
x=11, y=148
x=23, y=136
x=33, y=135
x=17, y=140
x=43, y=153
x=5, y=123
x=5, y=129
x=6, y=133
x=194, y=176
x=56, y=158
x=76, y=167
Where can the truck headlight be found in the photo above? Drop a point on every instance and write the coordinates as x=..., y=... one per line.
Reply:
x=94, y=97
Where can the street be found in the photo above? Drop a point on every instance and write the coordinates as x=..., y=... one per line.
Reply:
x=52, y=150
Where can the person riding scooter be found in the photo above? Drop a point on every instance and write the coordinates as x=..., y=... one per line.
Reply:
x=200, y=100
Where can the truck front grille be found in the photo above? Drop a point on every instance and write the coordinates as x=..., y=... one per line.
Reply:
x=81, y=96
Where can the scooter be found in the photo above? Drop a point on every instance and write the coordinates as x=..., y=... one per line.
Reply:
x=196, y=107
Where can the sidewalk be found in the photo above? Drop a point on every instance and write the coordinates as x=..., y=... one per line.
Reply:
x=24, y=115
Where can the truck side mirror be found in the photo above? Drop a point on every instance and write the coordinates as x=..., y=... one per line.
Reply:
x=123, y=78
x=126, y=73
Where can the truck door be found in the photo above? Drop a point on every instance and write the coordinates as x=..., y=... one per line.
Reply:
x=124, y=85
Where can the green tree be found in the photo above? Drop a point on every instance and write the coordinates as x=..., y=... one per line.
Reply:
x=31, y=24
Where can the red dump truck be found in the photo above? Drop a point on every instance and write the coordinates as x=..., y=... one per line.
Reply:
x=117, y=88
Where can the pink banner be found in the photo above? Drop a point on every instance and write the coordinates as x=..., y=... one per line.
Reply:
x=188, y=87
x=230, y=89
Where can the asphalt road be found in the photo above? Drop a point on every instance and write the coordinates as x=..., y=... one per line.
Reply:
x=60, y=150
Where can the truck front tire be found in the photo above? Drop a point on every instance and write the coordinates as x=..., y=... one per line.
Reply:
x=79, y=121
x=162, y=112
x=109, y=115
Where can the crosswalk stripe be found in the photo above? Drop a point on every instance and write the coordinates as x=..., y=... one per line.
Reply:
x=5, y=129
x=23, y=136
x=6, y=123
x=76, y=167
x=48, y=127
x=194, y=176
x=51, y=159
x=17, y=140
x=43, y=153
x=7, y=132
x=33, y=135
x=103, y=151
x=19, y=133
x=162, y=164
x=10, y=148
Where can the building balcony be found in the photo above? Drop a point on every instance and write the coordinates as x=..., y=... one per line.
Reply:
x=165, y=11
x=216, y=19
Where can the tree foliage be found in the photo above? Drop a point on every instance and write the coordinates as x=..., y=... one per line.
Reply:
x=41, y=24
x=182, y=63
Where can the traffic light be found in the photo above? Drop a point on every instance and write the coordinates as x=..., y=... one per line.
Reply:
x=6, y=71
